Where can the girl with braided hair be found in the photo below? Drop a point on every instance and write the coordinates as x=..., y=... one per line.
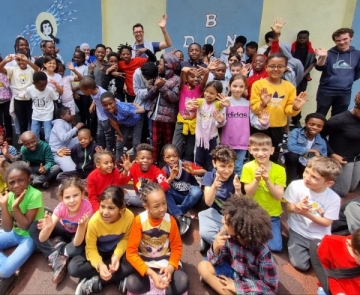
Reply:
x=128, y=65
x=239, y=260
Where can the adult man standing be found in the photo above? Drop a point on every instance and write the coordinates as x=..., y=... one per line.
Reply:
x=340, y=67
x=138, y=32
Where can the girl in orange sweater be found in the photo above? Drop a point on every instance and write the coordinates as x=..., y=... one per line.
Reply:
x=155, y=247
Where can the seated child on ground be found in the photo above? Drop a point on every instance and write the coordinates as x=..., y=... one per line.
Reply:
x=103, y=176
x=67, y=225
x=312, y=207
x=106, y=241
x=336, y=263
x=217, y=185
x=62, y=136
x=19, y=208
x=184, y=192
x=239, y=261
x=8, y=151
x=82, y=154
x=155, y=246
x=39, y=156
x=143, y=168
x=265, y=182
x=304, y=143
x=43, y=98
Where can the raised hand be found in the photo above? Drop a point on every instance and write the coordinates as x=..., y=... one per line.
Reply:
x=111, y=69
x=174, y=171
x=45, y=222
x=21, y=56
x=201, y=71
x=140, y=51
x=321, y=52
x=191, y=104
x=63, y=152
x=9, y=58
x=264, y=117
x=5, y=148
x=53, y=82
x=258, y=174
x=162, y=22
x=99, y=149
x=278, y=25
x=265, y=97
x=79, y=125
x=224, y=100
x=237, y=184
x=70, y=66
x=264, y=173
x=4, y=198
x=217, y=183
x=115, y=263
x=19, y=199
x=245, y=70
x=187, y=167
x=220, y=240
x=84, y=220
x=126, y=163
x=218, y=116
x=299, y=101
x=92, y=66
x=42, y=169
x=213, y=65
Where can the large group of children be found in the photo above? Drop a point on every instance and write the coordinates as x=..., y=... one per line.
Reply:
x=215, y=129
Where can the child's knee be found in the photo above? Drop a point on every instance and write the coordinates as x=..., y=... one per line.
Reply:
x=302, y=265
x=196, y=193
x=205, y=268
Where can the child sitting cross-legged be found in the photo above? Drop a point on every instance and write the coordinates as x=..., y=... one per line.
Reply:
x=155, y=247
x=138, y=171
x=184, y=191
x=312, y=208
x=265, y=181
x=239, y=260
x=217, y=185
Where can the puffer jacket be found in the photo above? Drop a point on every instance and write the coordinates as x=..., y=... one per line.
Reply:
x=166, y=99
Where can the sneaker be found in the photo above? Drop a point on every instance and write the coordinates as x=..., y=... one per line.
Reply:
x=122, y=286
x=58, y=263
x=88, y=286
x=203, y=246
x=183, y=224
x=125, y=149
x=5, y=283
x=130, y=152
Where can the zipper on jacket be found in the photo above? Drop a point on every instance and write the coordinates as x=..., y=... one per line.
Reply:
x=84, y=160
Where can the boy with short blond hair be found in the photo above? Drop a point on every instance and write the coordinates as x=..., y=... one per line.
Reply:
x=313, y=207
x=265, y=182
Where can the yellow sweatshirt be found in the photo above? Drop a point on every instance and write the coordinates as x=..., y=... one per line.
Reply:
x=280, y=106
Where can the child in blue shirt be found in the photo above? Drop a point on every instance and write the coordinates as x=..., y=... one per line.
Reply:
x=127, y=115
x=303, y=144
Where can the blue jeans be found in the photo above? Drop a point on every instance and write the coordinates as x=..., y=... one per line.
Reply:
x=275, y=244
x=239, y=161
x=106, y=135
x=25, y=247
x=224, y=269
x=186, y=202
x=36, y=128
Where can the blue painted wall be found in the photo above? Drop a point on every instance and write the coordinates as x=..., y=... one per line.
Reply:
x=75, y=19
x=244, y=17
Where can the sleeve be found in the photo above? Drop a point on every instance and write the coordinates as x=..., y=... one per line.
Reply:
x=59, y=210
x=195, y=167
x=247, y=175
x=291, y=94
x=92, y=253
x=74, y=155
x=105, y=79
x=163, y=170
x=10, y=72
x=156, y=46
x=254, y=122
x=153, y=93
x=175, y=244
x=132, y=250
x=293, y=145
x=357, y=69
x=125, y=179
x=140, y=91
x=268, y=280
x=23, y=152
x=128, y=108
x=218, y=259
x=91, y=188
x=255, y=100
x=35, y=201
x=49, y=158
x=323, y=67
x=275, y=47
x=208, y=179
x=64, y=136
x=323, y=150
x=161, y=179
x=332, y=211
x=290, y=194
x=52, y=94
x=13, y=151
x=151, y=56
x=28, y=93
x=121, y=246
x=170, y=90
x=280, y=176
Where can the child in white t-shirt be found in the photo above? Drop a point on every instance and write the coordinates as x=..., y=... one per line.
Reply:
x=312, y=208
x=43, y=98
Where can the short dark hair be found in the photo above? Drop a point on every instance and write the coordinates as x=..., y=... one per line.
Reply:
x=111, y=54
x=194, y=43
x=237, y=55
x=39, y=76
x=208, y=48
x=315, y=116
x=236, y=64
x=87, y=83
x=144, y=147
x=343, y=31
x=303, y=32
x=252, y=45
x=18, y=165
x=106, y=95
x=138, y=25
x=276, y=55
x=149, y=70
x=100, y=46
x=121, y=47
x=223, y=153
x=44, y=42
x=268, y=36
x=216, y=84
x=115, y=194
x=241, y=39
x=62, y=112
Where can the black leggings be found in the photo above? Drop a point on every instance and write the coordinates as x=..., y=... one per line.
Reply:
x=137, y=284
x=80, y=267
x=5, y=118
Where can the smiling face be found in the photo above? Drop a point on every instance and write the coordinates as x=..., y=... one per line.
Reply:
x=145, y=160
x=343, y=42
x=261, y=153
x=86, y=50
x=18, y=181
x=171, y=157
x=156, y=204
x=192, y=79
x=276, y=67
x=138, y=33
x=237, y=88
x=100, y=53
x=84, y=138
x=23, y=45
x=125, y=55
x=50, y=66
x=113, y=61
x=71, y=198
x=49, y=48
x=210, y=94
x=220, y=71
x=313, y=127
x=29, y=141
x=194, y=52
x=259, y=63
x=109, y=104
x=105, y=164
x=78, y=58
x=109, y=212
x=225, y=170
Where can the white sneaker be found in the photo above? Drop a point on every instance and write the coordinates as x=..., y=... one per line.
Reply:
x=130, y=152
x=124, y=148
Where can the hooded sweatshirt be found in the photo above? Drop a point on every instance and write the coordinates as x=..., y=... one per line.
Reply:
x=61, y=134
x=340, y=70
x=166, y=99
x=297, y=69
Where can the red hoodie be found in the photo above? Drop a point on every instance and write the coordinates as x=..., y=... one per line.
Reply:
x=256, y=76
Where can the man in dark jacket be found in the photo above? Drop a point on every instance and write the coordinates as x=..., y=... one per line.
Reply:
x=340, y=67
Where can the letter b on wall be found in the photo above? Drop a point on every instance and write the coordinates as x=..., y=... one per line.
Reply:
x=210, y=20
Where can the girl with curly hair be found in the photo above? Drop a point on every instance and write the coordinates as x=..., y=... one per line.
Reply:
x=239, y=260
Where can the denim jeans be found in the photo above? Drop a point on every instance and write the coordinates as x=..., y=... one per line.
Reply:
x=224, y=269
x=239, y=161
x=185, y=202
x=106, y=135
x=275, y=244
x=25, y=246
x=36, y=128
